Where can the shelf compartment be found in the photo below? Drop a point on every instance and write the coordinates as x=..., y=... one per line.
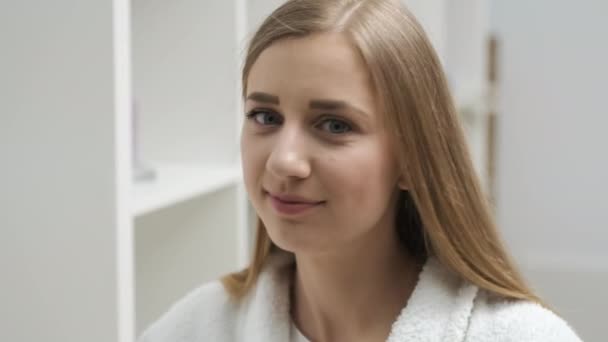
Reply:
x=175, y=183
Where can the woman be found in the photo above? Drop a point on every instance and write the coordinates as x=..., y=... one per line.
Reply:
x=372, y=225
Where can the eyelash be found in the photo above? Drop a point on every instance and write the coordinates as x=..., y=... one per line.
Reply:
x=252, y=114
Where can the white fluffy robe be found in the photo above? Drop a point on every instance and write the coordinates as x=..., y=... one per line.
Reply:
x=441, y=308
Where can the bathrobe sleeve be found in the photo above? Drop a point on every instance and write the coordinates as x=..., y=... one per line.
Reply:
x=517, y=321
x=205, y=314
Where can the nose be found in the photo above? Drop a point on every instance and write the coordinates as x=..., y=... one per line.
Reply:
x=289, y=158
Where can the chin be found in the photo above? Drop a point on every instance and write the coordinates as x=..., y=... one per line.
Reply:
x=295, y=239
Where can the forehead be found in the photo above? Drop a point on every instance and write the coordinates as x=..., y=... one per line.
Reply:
x=324, y=65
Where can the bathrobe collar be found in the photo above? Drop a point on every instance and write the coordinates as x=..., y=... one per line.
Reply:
x=438, y=309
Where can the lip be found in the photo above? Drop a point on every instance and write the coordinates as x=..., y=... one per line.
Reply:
x=291, y=204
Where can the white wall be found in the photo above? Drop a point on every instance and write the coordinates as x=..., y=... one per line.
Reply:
x=257, y=11
x=431, y=14
x=552, y=194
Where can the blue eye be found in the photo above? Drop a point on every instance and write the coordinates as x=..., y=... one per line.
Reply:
x=264, y=117
x=336, y=126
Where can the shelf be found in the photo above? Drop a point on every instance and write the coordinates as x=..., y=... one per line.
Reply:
x=175, y=183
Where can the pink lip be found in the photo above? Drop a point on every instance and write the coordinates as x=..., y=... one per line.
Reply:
x=291, y=205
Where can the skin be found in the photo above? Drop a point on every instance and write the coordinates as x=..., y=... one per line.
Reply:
x=352, y=276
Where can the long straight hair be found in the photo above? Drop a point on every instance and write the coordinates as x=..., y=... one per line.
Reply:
x=444, y=213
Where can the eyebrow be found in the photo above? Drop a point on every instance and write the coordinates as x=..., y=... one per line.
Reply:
x=263, y=97
x=323, y=104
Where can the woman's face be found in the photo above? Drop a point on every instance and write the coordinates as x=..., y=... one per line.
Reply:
x=317, y=163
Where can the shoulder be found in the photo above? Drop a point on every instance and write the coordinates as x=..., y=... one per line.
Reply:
x=510, y=320
x=209, y=313
x=205, y=313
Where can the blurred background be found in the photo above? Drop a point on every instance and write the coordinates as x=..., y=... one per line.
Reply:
x=120, y=185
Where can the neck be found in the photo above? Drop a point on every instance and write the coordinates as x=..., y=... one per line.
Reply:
x=354, y=293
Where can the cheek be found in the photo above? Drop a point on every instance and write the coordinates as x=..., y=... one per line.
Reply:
x=360, y=181
x=252, y=163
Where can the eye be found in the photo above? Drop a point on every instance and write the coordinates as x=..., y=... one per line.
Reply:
x=335, y=126
x=264, y=117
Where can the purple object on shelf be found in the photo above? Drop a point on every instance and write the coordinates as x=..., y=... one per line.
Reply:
x=141, y=171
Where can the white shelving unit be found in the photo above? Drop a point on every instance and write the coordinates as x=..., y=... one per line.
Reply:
x=66, y=249
x=190, y=222
x=85, y=246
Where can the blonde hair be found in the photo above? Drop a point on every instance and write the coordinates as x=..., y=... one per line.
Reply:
x=444, y=213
